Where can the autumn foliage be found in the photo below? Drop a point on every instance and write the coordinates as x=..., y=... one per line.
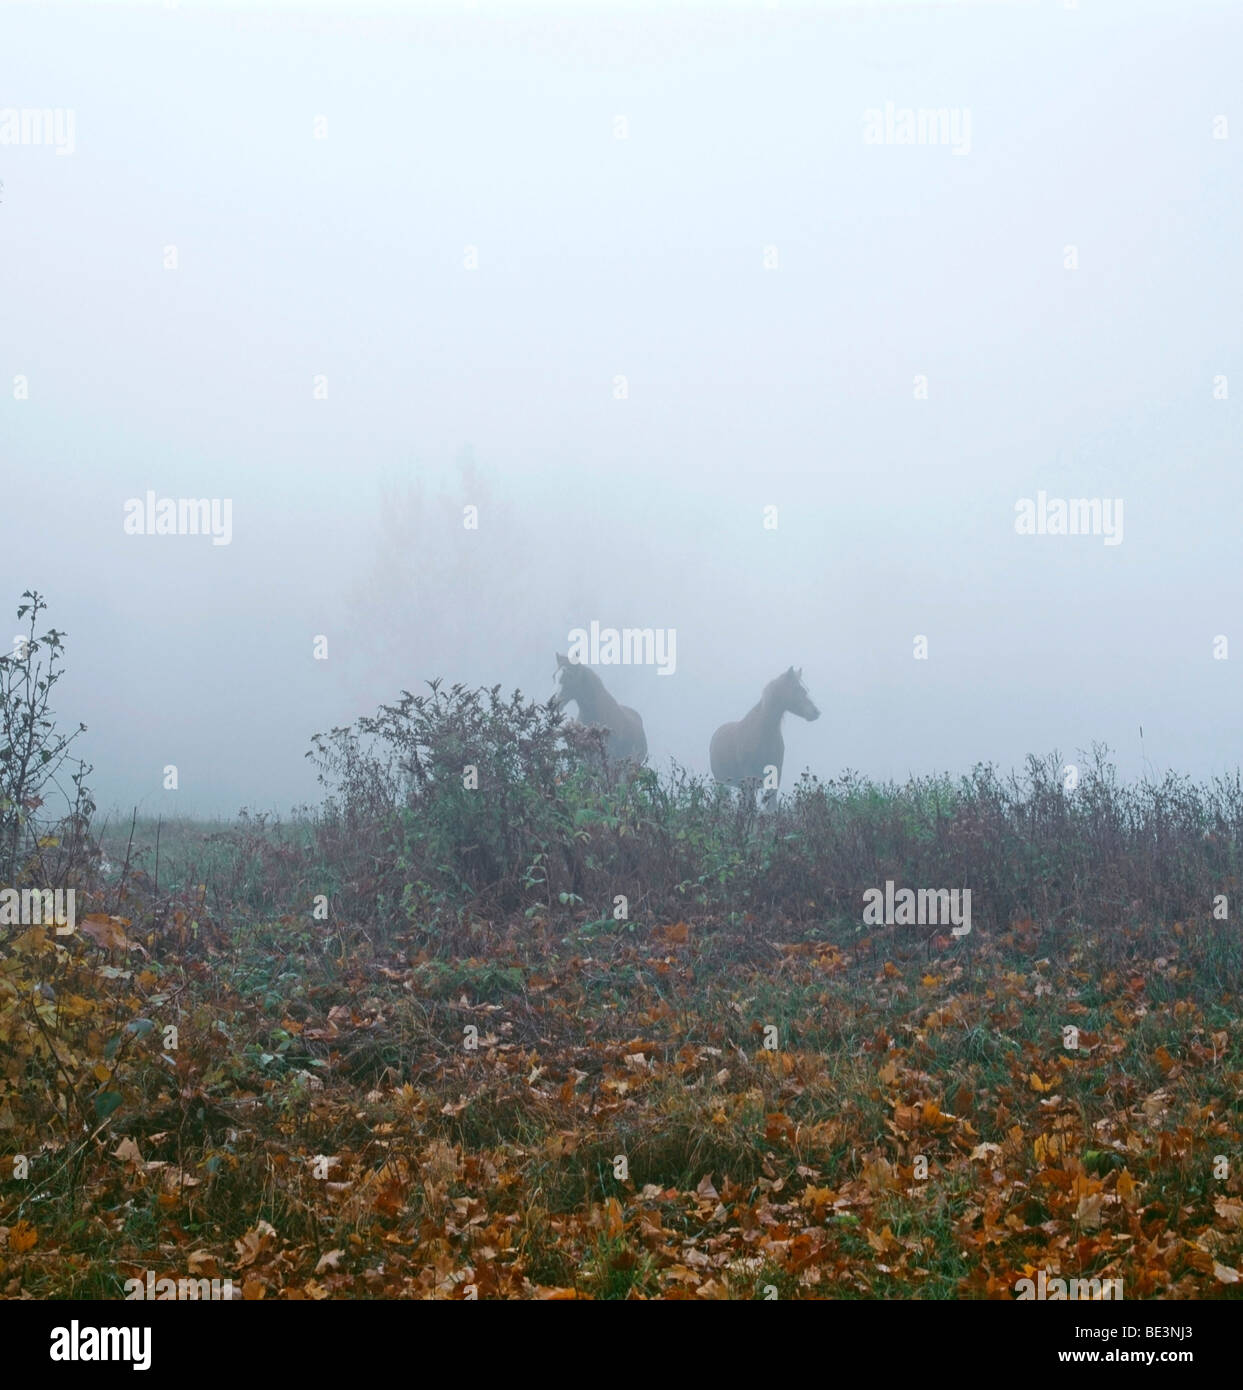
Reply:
x=417, y=1051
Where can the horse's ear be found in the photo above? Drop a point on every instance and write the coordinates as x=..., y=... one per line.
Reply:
x=800, y=673
x=790, y=672
x=562, y=661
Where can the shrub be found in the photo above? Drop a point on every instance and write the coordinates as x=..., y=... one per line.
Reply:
x=33, y=752
x=544, y=822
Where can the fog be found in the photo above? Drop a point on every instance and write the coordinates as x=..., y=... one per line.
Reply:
x=625, y=281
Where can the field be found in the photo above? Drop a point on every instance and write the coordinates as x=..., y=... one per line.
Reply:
x=573, y=1032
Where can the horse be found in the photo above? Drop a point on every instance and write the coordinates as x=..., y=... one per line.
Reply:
x=740, y=753
x=596, y=706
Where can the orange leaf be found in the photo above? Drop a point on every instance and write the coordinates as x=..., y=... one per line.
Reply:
x=615, y=1222
x=23, y=1237
x=777, y=1127
x=108, y=933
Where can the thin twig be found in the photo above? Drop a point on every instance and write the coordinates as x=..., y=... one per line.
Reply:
x=125, y=867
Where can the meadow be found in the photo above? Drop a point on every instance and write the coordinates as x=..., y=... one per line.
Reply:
x=499, y=1018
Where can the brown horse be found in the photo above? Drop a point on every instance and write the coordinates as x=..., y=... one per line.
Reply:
x=596, y=706
x=741, y=753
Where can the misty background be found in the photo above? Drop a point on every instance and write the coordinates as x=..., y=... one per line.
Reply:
x=769, y=285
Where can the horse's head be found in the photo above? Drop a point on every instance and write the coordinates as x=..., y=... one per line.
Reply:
x=575, y=680
x=795, y=697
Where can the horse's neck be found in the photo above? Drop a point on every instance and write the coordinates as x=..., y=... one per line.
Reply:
x=767, y=714
x=597, y=706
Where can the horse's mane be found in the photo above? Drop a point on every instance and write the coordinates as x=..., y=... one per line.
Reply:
x=784, y=678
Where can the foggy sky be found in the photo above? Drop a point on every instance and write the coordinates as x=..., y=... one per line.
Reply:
x=769, y=283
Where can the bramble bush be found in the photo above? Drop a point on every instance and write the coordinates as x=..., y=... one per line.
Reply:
x=464, y=800
x=461, y=796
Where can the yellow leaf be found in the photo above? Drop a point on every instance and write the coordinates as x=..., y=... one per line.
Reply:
x=1046, y=1148
x=24, y=1237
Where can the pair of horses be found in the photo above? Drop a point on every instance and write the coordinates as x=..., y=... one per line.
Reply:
x=746, y=754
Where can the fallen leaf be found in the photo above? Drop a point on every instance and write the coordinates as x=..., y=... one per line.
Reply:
x=23, y=1237
x=253, y=1244
x=106, y=932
